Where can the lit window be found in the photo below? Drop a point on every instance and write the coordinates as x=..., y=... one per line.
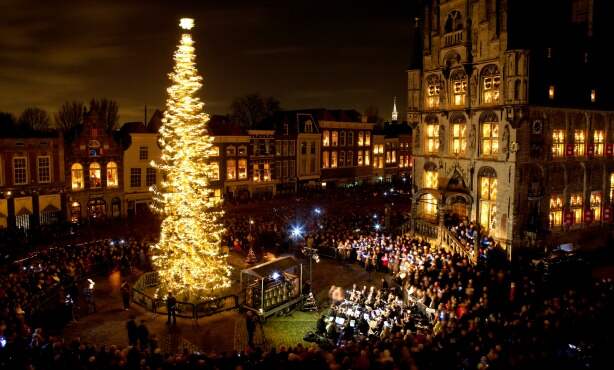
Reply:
x=367, y=138
x=401, y=160
x=490, y=138
x=611, y=187
x=231, y=151
x=359, y=160
x=367, y=158
x=135, y=177
x=231, y=169
x=334, y=138
x=578, y=143
x=333, y=159
x=429, y=206
x=242, y=151
x=593, y=95
x=43, y=169
x=325, y=138
x=491, y=80
x=267, y=171
x=215, y=172
x=431, y=179
x=95, y=176
x=558, y=143
x=143, y=153
x=459, y=87
x=349, y=159
x=488, y=201
x=342, y=138
x=575, y=201
x=325, y=163
x=596, y=205
x=432, y=138
x=20, y=173
x=381, y=162
x=150, y=175
x=432, y=92
x=556, y=211
x=599, y=142
x=112, y=179
x=242, y=169
x=394, y=156
x=459, y=138
x=361, y=138
x=388, y=156
x=76, y=176
x=551, y=92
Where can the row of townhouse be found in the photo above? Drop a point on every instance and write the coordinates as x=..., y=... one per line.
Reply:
x=90, y=174
x=307, y=149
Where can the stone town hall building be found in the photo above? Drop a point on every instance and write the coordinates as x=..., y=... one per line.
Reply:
x=514, y=120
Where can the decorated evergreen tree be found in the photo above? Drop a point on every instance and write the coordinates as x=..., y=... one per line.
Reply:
x=188, y=256
x=251, y=258
x=310, y=304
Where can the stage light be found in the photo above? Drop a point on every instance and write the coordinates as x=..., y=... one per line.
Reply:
x=296, y=232
x=275, y=275
x=317, y=211
x=251, y=222
x=377, y=226
x=375, y=215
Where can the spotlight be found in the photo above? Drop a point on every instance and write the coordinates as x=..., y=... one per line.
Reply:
x=275, y=275
x=375, y=215
x=317, y=211
x=296, y=232
x=377, y=226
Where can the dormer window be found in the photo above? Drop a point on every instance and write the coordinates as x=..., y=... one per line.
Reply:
x=308, y=127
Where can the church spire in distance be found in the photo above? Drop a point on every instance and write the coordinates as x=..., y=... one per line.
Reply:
x=395, y=114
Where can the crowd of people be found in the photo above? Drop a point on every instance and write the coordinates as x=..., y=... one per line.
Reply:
x=487, y=315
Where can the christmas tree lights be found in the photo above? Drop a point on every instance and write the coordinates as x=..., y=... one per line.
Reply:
x=187, y=255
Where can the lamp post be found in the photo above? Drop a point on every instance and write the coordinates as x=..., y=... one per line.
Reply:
x=312, y=255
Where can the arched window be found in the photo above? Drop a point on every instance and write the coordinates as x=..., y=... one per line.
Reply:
x=428, y=207
x=454, y=22
x=112, y=179
x=458, y=82
x=517, y=87
x=488, y=197
x=76, y=176
x=459, y=134
x=433, y=89
x=491, y=81
x=489, y=134
x=95, y=177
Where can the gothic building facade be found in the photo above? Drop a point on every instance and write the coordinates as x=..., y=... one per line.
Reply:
x=511, y=128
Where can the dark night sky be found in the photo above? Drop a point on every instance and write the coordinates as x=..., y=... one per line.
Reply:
x=332, y=54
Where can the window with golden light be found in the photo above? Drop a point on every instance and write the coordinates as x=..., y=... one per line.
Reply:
x=361, y=138
x=334, y=138
x=611, y=187
x=429, y=206
x=112, y=175
x=359, y=160
x=459, y=87
x=381, y=162
x=231, y=169
x=367, y=138
x=488, y=201
x=599, y=142
x=333, y=159
x=490, y=92
x=431, y=179
x=367, y=158
x=595, y=203
x=576, y=202
x=579, y=143
x=433, y=91
x=490, y=138
x=459, y=138
x=558, y=143
x=95, y=175
x=556, y=210
x=76, y=176
x=242, y=169
x=432, y=138
x=325, y=163
x=325, y=138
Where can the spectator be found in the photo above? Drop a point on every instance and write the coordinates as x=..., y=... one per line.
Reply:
x=133, y=332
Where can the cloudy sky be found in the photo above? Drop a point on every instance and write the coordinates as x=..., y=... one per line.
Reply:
x=333, y=54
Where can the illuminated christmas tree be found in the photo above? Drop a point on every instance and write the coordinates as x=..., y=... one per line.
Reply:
x=188, y=256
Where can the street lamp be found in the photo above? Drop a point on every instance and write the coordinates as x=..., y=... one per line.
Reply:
x=312, y=255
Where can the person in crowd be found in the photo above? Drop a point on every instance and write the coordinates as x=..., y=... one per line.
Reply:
x=171, y=308
x=133, y=332
x=143, y=335
x=125, y=292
